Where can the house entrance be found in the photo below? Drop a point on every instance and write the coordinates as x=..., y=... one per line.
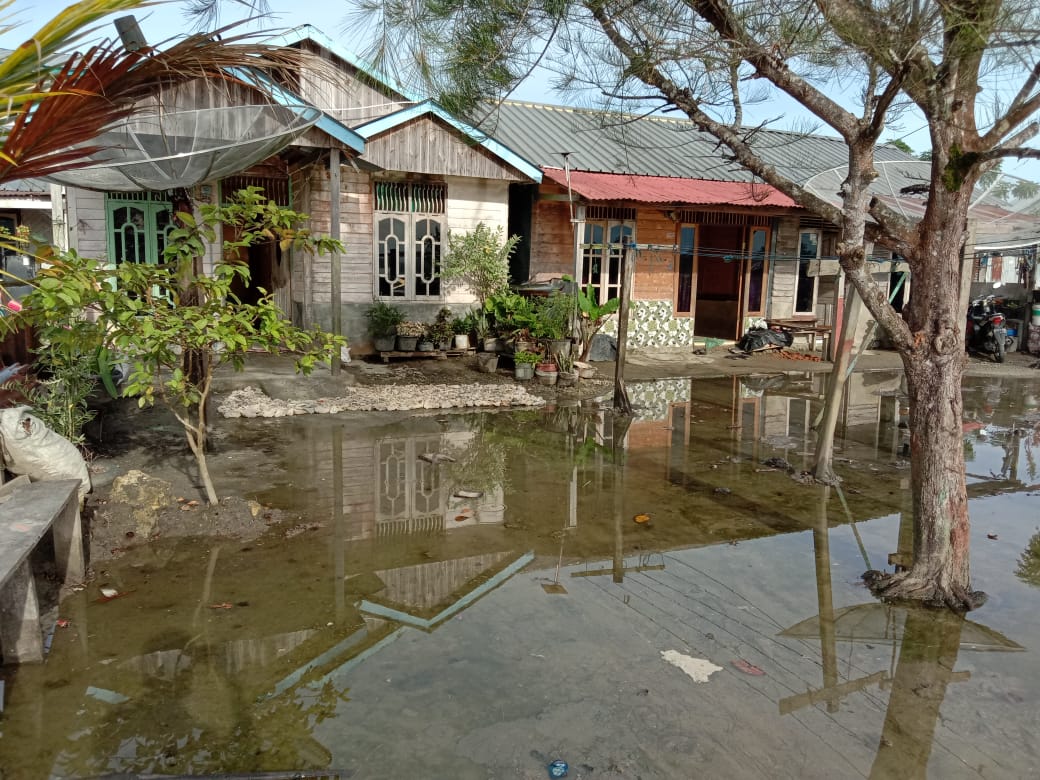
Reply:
x=718, y=281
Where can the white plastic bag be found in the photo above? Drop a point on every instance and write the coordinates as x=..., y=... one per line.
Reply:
x=29, y=447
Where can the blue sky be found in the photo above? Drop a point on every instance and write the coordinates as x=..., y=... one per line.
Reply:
x=165, y=20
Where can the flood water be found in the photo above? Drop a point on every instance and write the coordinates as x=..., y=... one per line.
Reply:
x=482, y=616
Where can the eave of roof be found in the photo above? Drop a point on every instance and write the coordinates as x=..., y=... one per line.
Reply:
x=383, y=124
x=669, y=190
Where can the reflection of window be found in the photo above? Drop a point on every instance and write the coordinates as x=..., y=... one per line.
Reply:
x=757, y=271
x=602, y=257
x=137, y=224
x=407, y=488
x=805, y=292
x=409, y=221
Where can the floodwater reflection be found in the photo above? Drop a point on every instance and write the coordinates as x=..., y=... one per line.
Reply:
x=471, y=595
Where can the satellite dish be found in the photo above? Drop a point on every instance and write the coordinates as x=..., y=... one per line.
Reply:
x=167, y=149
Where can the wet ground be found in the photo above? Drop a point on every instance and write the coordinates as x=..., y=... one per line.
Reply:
x=476, y=595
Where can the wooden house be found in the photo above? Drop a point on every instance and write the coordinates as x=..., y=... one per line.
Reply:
x=716, y=250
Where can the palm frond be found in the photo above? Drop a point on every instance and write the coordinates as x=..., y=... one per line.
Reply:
x=103, y=85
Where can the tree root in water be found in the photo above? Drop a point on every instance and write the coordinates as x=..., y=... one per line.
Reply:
x=901, y=587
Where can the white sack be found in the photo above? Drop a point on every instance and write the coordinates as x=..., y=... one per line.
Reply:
x=29, y=447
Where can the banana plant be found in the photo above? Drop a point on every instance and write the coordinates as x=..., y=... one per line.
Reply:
x=591, y=316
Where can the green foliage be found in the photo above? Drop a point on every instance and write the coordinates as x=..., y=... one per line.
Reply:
x=1028, y=569
x=441, y=330
x=511, y=314
x=526, y=357
x=172, y=325
x=480, y=259
x=591, y=316
x=553, y=316
x=383, y=319
x=467, y=323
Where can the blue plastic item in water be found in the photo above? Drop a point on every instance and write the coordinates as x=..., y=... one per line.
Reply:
x=558, y=768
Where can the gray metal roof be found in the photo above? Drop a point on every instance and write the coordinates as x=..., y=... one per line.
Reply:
x=653, y=145
x=23, y=187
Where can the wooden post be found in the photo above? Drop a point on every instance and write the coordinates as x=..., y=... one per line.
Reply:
x=336, y=302
x=823, y=469
x=621, y=402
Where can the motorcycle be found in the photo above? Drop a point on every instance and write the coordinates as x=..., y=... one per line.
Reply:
x=987, y=331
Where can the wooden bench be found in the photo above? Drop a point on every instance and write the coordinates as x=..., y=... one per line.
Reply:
x=27, y=513
x=809, y=328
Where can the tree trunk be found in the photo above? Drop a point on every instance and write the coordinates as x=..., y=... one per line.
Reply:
x=934, y=365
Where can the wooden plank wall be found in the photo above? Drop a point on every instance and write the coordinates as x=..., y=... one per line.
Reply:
x=338, y=91
x=428, y=146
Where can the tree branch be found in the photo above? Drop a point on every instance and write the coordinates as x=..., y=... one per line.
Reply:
x=719, y=15
x=684, y=99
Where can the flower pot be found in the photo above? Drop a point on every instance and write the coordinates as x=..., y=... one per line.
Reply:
x=461, y=341
x=424, y=346
x=384, y=343
x=547, y=366
x=492, y=344
x=488, y=362
x=524, y=371
x=567, y=378
x=561, y=347
x=546, y=377
x=524, y=345
x=407, y=343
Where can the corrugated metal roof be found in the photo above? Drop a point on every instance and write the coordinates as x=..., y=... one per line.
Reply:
x=607, y=142
x=23, y=187
x=663, y=189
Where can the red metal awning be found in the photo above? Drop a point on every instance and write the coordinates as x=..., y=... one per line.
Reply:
x=669, y=190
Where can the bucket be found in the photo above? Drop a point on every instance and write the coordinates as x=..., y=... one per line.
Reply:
x=1036, y=314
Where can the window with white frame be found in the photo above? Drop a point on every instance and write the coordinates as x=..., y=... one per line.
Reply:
x=603, y=253
x=137, y=224
x=409, y=224
x=805, y=290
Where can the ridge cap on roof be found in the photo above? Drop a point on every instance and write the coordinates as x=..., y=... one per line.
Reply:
x=665, y=119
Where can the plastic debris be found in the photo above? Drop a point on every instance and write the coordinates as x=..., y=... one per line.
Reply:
x=698, y=669
x=558, y=768
x=642, y=518
x=436, y=457
x=994, y=537
x=747, y=668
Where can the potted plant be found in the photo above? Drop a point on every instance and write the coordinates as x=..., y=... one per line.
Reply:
x=568, y=376
x=408, y=334
x=462, y=327
x=553, y=321
x=546, y=370
x=479, y=259
x=383, y=319
x=524, y=363
x=441, y=332
x=425, y=343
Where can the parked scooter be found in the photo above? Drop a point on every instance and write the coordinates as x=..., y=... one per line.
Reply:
x=987, y=332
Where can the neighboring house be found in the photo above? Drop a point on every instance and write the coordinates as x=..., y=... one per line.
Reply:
x=716, y=250
x=23, y=204
x=409, y=174
x=122, y=225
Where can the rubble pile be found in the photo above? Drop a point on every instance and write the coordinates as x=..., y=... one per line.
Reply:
x=253, y=402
